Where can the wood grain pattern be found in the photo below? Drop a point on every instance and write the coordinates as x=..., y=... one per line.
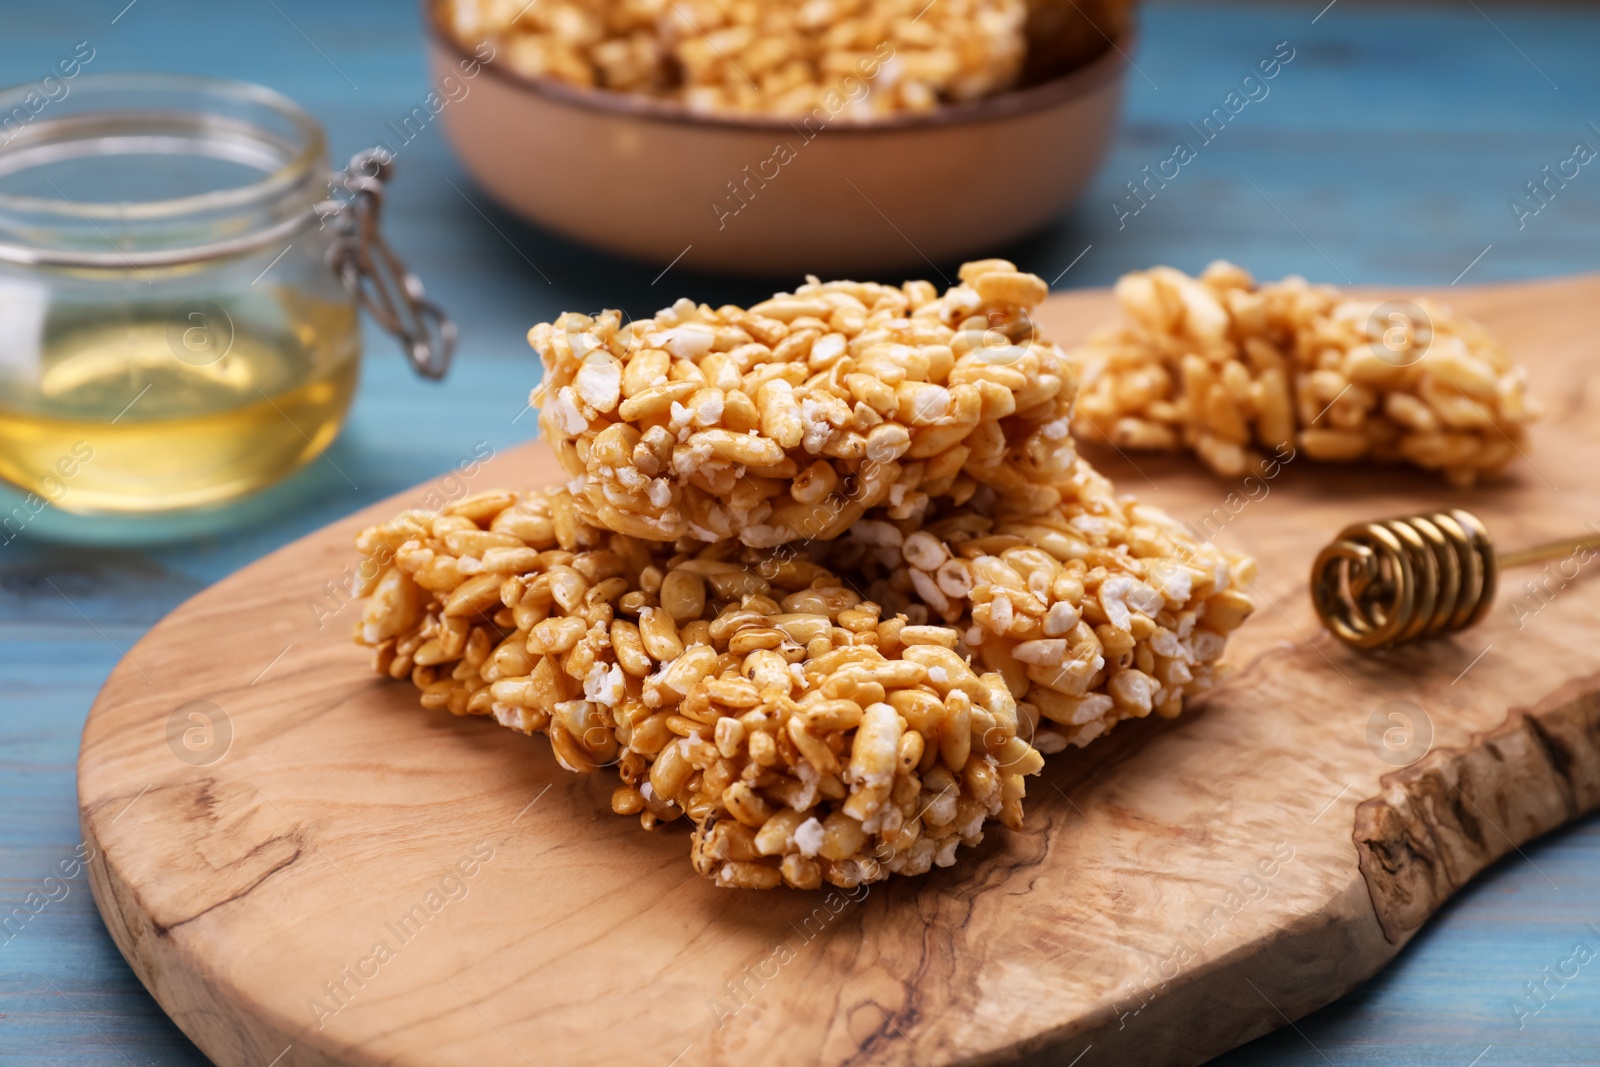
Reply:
x=1438, y=822
x=1179, y=888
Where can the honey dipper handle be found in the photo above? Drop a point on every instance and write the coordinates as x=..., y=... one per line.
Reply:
x=1548, y=550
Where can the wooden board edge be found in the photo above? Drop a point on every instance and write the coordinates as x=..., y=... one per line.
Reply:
x=1444, y=819
x=1433, y=827
x=1234, y=999
x=197, y=1006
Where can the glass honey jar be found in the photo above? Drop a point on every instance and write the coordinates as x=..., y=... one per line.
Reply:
x=180, y=277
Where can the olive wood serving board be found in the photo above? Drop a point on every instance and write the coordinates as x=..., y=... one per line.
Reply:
x=304, y=867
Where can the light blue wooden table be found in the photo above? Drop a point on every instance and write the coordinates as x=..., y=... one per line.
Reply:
x=1387, y=152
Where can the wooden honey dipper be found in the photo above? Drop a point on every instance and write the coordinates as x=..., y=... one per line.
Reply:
x=1386, y=582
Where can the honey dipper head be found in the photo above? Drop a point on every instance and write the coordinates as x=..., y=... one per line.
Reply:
x=1383, y=583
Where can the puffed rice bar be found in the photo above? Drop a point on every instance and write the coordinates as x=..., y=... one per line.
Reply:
x=1220, y=364
x=789, y=420
x=848, y=60
x=1102, y=610
x=809, y=738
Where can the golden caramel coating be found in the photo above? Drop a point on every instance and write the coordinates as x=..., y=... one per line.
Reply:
x=1221, y=365
x=807, y=737
x=807, y=733
x=1101, y=610
x=790, y=420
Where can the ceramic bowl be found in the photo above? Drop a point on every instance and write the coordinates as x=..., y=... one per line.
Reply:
x=649, y=179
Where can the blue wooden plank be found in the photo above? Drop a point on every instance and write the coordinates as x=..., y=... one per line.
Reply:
x=1386, y=152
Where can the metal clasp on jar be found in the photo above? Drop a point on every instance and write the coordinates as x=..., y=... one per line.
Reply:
x=374, y=274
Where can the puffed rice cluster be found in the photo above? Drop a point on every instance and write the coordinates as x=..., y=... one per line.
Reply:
x=1099, y=610
x=789, y=420
x=846, y=60
x=1221, y=365
x=808, y=737
x=863, y=694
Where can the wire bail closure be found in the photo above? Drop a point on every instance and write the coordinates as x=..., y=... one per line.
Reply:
x=375, y=275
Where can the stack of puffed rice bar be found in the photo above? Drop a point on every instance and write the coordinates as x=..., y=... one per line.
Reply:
x=829, y=577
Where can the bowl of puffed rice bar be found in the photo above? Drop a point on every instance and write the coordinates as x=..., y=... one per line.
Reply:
x=774, y=136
